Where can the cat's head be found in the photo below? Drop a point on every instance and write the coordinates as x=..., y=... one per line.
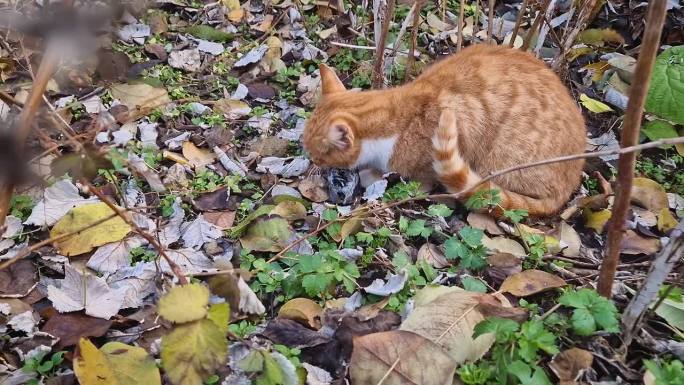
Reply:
x=329, y=135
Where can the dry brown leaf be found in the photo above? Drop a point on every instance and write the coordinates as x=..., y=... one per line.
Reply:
x=649, y=194
x=633, y=243
x=491, y=306
x=569, y=236
x=302, y=310
x=370, y=311
x=198, y=157
x=418, y=360
x=290, y=210
x=503, y=265
x=432, y=255
x=484, y=222
x=314, y=188
x=140, y=99
x=221, y=219
x=447, y=316
x=569, y=365
x=502, y=244
x=531, y=282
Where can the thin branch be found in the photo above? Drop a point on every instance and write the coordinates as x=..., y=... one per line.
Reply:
x=28, y=113
x=152, y=240
x=404, y=27
x=9, y=99
x=461, y=10
x=518, y=21
x=580, y=25
x=490, y=21
x=301, y=239
x=630, y=135
x=476, y=18
x=535, y=26
x=411, y=59
x=378, y=66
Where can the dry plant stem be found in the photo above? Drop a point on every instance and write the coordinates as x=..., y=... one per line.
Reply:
x=7, y=98
x=490, y=19
x=411, y=59
x=378, y=66
x=28, y=113
x=153, y=241
x=404, y=27
x=582, y=21
x=25, y=252
x=518, y=21
x=476, y=18
x=661, y=267
x=630, y=135
x=461, y=10
x=535, y=25
x=300, y=240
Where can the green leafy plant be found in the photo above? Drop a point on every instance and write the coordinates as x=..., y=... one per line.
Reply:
x=440, y=210
x=292, y=354
x=402, y=190
x=317, y=272
x=414, y=227
x=592, y=312
x=666, y=373
x=21, y=206
x=242, y=328
x=492, y=199
x=667, y=77
x=42, y=365
x=472, y=374
x=516, y=350
x=141, y=254
x=467, y=248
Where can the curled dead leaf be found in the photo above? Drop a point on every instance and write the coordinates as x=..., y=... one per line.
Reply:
x=633, y=243
x=649, y=194
x=569, y=365
x=432, y=255
x=531, y=282
x=302, y=310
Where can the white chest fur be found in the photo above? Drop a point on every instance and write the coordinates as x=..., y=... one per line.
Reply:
x=376, y=153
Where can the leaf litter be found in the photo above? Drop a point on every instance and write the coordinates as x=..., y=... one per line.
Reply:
x=202, y=132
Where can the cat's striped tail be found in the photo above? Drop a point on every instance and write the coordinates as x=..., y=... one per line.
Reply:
x=456, y=175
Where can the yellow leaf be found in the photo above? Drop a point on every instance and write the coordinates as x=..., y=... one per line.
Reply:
x=184, y=303
x=231, y=4
x=598, y=37
x=197, y=156
x=350, y=227
x=594, y=105
x=597, y=69
x=193, y=351
x=290, y=210
x=236, y=15
x=267, y=234
x=596, y=219
x=91, y=366
x=175, y=157
x=649, y=194
x=111, y=230
x=220, y=314
x=666, y=221
x=131, y=364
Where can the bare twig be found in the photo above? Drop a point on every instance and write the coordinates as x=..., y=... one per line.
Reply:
x=518, y=21
x=404, y=27
x=378, y=66
x=301, y=239
x=7, y=98
x=630, y=135
x=411, y=59
x=545, y=27
x=152, y=240
x=661, y=266
x=476, y=19
x=582, y=21
x=28, y=113
x=535, y=26
x=461, y=10
x=490, y=21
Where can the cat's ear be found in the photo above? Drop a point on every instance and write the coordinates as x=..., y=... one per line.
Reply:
x=329, y=80
x=341, y=136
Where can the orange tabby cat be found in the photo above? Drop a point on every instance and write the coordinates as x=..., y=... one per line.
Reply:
x=479, y=111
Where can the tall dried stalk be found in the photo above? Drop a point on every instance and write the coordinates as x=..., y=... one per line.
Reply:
x=461, y=10
x=630, y=135
x=518, y=21
x=535, y=26
x=411, y=59
x=378, y=66
x=490, y=21
x=45, y=71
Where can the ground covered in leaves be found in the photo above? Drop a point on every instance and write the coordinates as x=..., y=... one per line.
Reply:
x=170, y=229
